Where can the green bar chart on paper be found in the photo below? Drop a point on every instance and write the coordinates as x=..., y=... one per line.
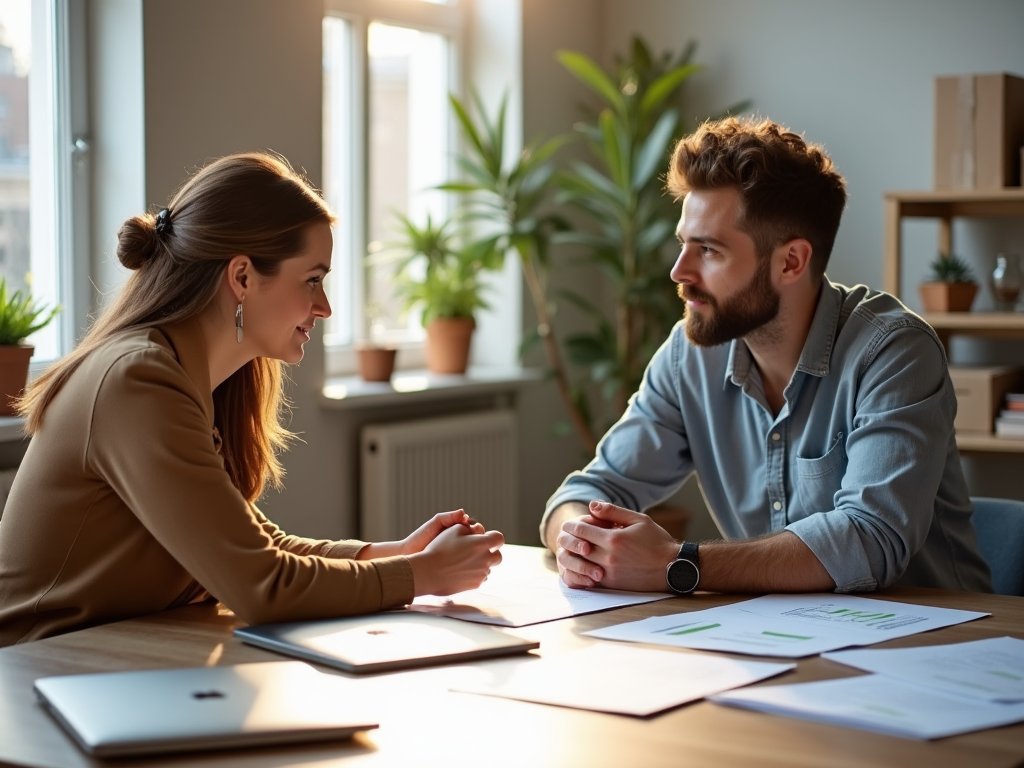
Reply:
x=790, y=626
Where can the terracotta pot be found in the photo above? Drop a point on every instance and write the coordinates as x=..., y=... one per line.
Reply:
x=947, y=297
x=376, y=363
x=13, y=374
x=448, y=340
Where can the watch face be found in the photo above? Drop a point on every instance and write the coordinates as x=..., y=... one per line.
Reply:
x=683, y=576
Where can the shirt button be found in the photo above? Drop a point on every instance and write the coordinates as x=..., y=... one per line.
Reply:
x=777, y=506
x=776, y=437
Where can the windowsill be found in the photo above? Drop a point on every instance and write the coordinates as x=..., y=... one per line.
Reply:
x=12, y=429
x=408, y=387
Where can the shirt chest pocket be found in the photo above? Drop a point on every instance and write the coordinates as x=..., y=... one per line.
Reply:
x=818, y=480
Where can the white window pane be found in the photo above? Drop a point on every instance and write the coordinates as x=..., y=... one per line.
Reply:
x=339, y=117
x=16, y=251
x=408, y=150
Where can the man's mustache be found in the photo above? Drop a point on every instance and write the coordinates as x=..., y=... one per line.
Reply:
x=689, y=293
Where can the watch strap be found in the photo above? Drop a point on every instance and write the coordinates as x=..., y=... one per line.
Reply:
x=689, y=552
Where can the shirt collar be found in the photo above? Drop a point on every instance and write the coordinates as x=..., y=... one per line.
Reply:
x=817, y=351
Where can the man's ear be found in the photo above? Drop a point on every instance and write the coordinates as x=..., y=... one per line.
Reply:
x=239, y=276
x=796, y=259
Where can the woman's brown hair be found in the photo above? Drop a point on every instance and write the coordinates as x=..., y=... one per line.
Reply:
x=252, y=204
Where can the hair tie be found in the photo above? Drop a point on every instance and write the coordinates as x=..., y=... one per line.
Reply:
x=163, y=222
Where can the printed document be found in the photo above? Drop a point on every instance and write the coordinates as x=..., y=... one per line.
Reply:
x=877, y=703
x=791, y=626
x=517, y=601
x=992, y=669
x=621, y=679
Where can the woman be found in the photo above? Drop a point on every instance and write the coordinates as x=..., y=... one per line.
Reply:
x=154, y=438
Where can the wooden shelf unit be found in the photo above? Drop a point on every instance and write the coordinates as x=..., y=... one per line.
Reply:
x=945, y=206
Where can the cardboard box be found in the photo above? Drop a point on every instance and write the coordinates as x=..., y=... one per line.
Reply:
x=979, y=131
x=979, y=395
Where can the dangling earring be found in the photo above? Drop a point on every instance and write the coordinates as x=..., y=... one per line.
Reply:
x=238, y=323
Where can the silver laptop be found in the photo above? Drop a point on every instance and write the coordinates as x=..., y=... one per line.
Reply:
x=115, y=714
x=385, y=641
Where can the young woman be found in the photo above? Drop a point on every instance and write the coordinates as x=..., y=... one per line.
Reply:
x=152, y=440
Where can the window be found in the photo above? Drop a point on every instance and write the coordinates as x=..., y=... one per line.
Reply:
x=388, y=141
x=38, y=177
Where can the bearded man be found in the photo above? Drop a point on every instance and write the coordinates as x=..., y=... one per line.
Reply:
x=818, y=417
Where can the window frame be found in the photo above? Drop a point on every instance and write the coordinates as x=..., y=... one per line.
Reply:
x=67, y=178
x=447, y=19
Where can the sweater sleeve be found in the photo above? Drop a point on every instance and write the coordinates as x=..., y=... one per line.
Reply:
x=345, y=549
x=151, y=442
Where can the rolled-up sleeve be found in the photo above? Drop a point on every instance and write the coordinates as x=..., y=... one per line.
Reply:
x=645, y=456
x=150, y=441
x=896, y=451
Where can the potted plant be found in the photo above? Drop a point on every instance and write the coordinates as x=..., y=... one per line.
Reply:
x=441, y=276
x=631, y=238
x=952, y=287
x=376, y=361
x=19, y=319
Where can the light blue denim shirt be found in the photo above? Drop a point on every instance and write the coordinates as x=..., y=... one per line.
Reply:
x=861, y=462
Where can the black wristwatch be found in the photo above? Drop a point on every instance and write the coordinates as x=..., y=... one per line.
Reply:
x=683, y=573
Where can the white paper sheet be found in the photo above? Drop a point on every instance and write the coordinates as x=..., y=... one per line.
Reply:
x=991, y=669
x=516, y=602
x=621, y=679
x=789, y=626
x=867, y=618
x=876, y=703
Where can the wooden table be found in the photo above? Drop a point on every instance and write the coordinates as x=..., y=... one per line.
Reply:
x=423, y=724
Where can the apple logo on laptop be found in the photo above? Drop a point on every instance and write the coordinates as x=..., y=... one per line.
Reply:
x=208, y=695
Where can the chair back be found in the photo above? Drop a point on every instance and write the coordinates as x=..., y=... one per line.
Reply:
x=1000, y=527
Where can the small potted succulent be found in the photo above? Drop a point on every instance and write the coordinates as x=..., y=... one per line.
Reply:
x=443, y=279
x=20, y=317
x=952, y=287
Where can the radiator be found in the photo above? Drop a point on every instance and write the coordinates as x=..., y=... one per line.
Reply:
x=413, y=469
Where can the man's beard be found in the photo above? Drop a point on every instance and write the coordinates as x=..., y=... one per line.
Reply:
x=749, y=310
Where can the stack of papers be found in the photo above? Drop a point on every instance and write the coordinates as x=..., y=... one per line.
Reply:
x=922, y=693
x=621, y=679
x=790, y=626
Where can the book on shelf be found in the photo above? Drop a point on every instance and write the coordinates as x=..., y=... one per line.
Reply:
x=1015, y=401
x=1009, y=427
x=1014, y=416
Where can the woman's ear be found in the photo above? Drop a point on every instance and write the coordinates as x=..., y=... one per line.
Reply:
x=239, y=276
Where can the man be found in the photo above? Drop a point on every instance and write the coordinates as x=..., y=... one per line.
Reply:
x=819, y=418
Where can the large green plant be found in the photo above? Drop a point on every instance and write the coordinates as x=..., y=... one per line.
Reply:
x=632, y=220
x=20, y=316
x=508, y=202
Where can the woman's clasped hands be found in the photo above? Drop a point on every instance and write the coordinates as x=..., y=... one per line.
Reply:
x=449, y=553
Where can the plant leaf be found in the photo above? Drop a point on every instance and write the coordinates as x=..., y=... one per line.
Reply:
x=655, y=149
x=587, y=71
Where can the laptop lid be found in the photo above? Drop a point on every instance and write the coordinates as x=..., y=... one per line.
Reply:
x=385, y=641
x=115, y=714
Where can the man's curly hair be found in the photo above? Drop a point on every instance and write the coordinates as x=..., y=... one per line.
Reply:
x=789, y=188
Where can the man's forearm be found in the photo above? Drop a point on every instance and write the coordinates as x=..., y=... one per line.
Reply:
x=561, y=513
x=778, y=563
